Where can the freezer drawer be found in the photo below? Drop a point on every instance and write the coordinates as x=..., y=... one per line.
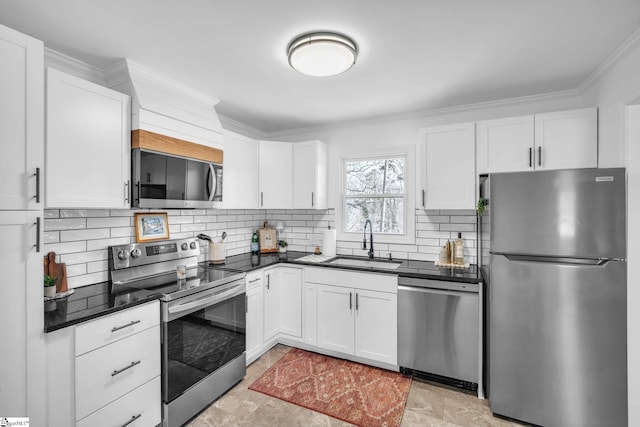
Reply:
x=438, y=332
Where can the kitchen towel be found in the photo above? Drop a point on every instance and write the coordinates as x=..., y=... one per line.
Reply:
x=329, y=242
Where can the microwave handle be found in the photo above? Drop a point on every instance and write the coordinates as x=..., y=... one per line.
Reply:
x=212, y=190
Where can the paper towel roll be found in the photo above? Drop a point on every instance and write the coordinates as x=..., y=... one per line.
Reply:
x=329, y=242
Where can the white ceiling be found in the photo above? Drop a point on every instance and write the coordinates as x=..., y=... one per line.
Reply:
x=415, y=55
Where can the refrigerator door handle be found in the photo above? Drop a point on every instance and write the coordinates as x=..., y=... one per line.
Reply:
x=559, y=260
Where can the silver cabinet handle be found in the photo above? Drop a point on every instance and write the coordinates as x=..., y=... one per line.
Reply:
x=126, y=192
x=350, y=300
x=37, y=245
x=117, y=328
x=121, y=370
x=261, y=198
x=268, y=281
x=133, y=418
x=539, y=156
x=312, y=199
x=356, y=301
x=423, y=198
x=254, y=280
x=37, y=196
x=530, y=154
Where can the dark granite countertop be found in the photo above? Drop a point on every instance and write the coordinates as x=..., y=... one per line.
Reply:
x=93, y=301
x=86, y=303
x=408, y=268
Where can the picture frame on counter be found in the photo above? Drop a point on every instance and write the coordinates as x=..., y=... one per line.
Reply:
x=151, y=226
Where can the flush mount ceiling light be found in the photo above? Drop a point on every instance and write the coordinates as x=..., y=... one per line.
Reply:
x=322, y=54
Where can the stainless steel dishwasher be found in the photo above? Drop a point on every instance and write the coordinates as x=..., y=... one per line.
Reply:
x=439, y=331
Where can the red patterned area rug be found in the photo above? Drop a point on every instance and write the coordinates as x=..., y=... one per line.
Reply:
x=355, y=393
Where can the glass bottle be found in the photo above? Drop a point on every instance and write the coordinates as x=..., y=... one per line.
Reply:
x=254, y=243
x=459, y=251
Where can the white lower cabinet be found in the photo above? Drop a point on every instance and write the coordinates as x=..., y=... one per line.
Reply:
x=112, y=367
x=283, y=302
x=357, y=313
x=255, y=310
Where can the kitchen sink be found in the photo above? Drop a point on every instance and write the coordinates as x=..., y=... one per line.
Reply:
x=370, y=263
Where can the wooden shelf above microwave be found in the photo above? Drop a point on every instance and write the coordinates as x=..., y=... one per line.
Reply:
x=178, y=147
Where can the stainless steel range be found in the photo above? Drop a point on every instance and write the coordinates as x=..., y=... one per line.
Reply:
x=203, y=320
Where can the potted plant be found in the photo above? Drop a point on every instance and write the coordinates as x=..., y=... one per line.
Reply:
x=282, y=246
x=50, y=285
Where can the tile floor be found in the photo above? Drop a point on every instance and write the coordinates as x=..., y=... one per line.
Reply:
x=427, y=405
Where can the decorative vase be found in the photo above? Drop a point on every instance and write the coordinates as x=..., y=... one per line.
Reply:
x=50, y=291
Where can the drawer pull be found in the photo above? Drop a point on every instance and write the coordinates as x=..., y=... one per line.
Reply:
x=117, y=328
x=254, y=280
x=133, y=418
x=119, y=371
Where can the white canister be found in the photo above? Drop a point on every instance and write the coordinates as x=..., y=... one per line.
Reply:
x=216, y=253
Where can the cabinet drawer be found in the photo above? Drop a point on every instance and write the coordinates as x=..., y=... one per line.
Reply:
x=254, y=279
x=337, y=277
x=109, y=372
x=108, y=329
x=143, y=404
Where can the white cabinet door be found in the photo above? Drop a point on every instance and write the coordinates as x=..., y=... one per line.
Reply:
x=566, y=139
x=310, y=314
x=88, y=144
x=335, y=318
x=275, y=162
x=309, y=175
x=240, y=183
x=376, y=326
x=21, y=122
x=271, y=322
x=448, y=172
x=505, y=145
x=290, y=288
x=22, y=316
x=254, y=322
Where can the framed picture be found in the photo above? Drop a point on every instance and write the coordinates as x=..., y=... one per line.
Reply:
x=151, y=226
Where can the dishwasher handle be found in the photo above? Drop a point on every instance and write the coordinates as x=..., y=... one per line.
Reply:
x=411, y=283
x=435, y=291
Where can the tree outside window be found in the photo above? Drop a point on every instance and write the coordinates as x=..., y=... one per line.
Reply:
x=374, y=189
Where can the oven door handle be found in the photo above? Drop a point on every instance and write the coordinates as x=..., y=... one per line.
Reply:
x=207, y=300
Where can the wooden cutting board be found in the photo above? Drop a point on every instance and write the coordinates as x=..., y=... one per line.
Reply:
x=59, y=270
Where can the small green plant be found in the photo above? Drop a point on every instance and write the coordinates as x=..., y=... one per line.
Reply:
x=482, y=203
x=49, y=280
x=282, y=243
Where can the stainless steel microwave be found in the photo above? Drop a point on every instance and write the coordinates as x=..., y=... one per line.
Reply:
x=163, y=180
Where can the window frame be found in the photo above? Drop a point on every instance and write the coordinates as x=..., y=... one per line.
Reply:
x=408, y=153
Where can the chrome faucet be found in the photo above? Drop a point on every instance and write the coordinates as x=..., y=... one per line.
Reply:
x=364, y=240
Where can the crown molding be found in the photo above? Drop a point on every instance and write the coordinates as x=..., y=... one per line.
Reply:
x=241, y=128
x=617, y=54
x=71, y=65
x=433, y=112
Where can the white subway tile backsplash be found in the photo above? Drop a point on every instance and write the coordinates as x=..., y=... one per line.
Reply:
x=109, y=222
x=88, y=258
x=86, y=234
x=51, y=224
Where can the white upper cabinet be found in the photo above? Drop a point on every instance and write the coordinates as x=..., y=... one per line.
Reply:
x=505, y=145
x=275, y=175
x=559, y=140
x=88, y=144
x=309, y=175
x=447, y=154
x=21, y=120
x=567, y=139
x=240, y=182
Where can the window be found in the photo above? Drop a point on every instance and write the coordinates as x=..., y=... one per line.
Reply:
x=374, y=189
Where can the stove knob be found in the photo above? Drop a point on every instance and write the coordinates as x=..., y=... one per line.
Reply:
x=135, y=253
x=123, y=255
x=184, y=246
x=192, y=245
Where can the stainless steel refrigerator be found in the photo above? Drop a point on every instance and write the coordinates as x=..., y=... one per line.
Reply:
x=557, y=297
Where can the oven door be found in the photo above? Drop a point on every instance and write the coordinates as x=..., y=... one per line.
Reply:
x=201, y=334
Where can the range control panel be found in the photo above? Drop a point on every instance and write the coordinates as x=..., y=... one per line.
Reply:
x=137, y=254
